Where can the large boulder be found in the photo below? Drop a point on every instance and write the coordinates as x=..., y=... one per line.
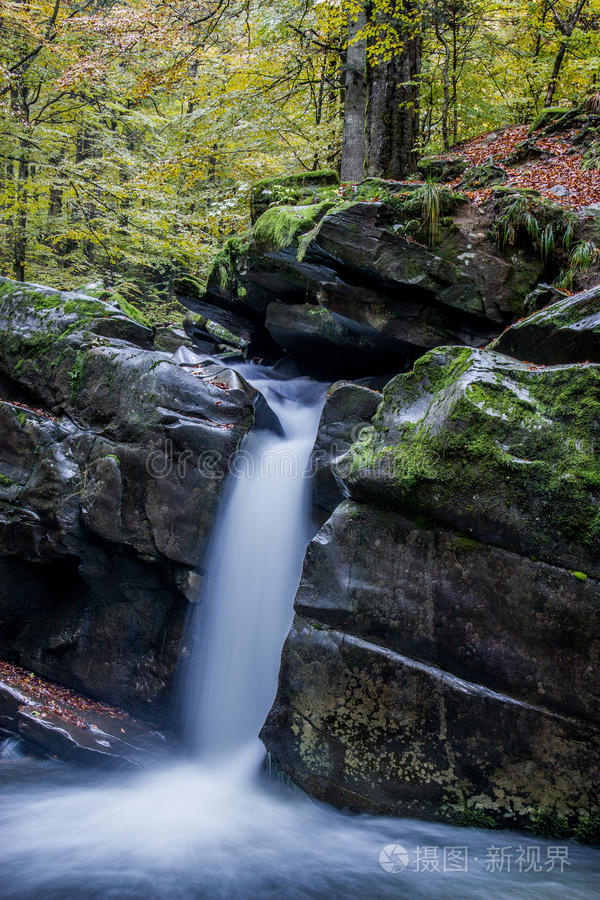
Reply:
x=501, y=449
x=443, y=658
x=112, y=461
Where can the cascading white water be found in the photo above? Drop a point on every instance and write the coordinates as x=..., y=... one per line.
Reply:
x=210, y=828
x=253, y=568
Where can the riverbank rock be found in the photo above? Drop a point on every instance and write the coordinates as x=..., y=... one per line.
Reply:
x=112, y=460
x=564, y=332
x=443, y=659
x=62, y=724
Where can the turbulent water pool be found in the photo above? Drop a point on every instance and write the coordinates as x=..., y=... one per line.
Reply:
x=217, y=826
x=221, y=831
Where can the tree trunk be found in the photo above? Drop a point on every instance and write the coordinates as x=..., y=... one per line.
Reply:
x=566, y=29
x=19, y=243
x=446, y=79
x=355, y=104
x=555, y=73
x=393, y=112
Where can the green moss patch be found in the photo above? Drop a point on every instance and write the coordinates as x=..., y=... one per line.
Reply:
x=473, y=439
x=131, y=311
x=281, y=226
x=226, y=265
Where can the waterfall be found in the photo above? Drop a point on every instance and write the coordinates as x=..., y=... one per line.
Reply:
x=207, y=827
x=253, y=568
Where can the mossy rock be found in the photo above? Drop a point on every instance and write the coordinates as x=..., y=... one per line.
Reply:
x=548, y=116
x=566, y=331
x=42, y=348
x=130, y=310
x=508, y=190
x=441, y=168
x=292, y=189
x=503, y=450
x=188, y=286
x=282, y=226
x=483, y=176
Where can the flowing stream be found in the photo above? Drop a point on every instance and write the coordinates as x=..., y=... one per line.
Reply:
x=215, y=826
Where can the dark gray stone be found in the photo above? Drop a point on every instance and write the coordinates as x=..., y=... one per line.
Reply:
x=567, y=331
x=107, y=493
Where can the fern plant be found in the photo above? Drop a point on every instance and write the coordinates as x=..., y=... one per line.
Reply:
x=430, y=216
x=548, y=227
x=585, y=254
x=592, y=104
x=547, y=241
x=425, y=207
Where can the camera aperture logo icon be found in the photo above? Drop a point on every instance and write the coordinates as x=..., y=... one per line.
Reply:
x=393, y=858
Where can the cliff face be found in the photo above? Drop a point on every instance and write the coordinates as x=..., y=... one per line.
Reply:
x=443, y=657
x=112, y=459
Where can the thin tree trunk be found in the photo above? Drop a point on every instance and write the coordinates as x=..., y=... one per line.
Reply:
x=20, y=235
x=566, y=30
x=454, y=80
x=558, y=61
x=355, y=103
x=19, y=241
x=446, y=78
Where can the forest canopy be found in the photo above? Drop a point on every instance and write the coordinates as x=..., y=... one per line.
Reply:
x=131, y=132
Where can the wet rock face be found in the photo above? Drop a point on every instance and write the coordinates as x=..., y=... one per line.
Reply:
x=435, y=595
x=112, y=460
x=349, y=408
x=444, y=649
x=364, y=727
